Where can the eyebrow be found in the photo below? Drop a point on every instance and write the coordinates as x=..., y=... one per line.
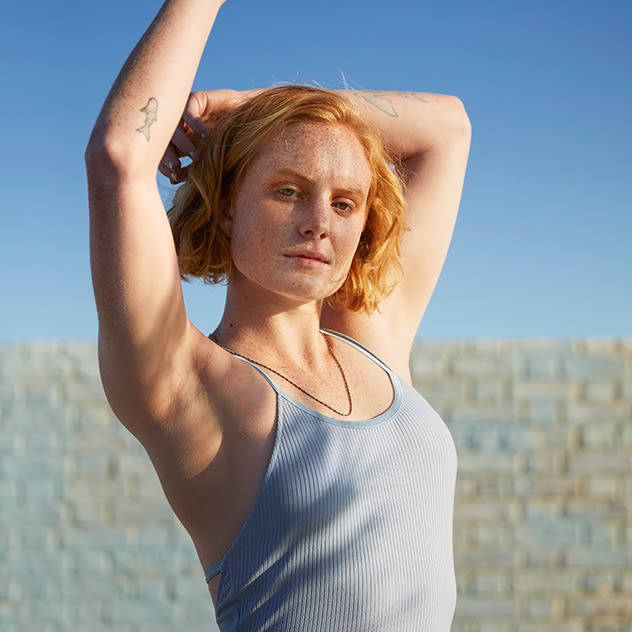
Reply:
x=352, y=189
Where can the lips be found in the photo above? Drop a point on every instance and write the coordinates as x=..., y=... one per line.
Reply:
x=309, y=254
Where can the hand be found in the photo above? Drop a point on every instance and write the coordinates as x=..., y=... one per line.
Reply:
x=203, y=113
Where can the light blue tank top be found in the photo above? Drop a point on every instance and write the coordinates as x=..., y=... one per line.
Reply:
x=351, y=529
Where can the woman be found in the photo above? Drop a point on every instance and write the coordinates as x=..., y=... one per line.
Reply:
x=316, y=484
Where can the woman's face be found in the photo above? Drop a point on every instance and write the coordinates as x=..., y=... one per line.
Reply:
x=300, y=210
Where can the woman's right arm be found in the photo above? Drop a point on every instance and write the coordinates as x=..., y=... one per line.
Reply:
x=146, y=343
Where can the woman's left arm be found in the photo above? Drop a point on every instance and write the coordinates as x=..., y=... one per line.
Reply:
x=429, y=135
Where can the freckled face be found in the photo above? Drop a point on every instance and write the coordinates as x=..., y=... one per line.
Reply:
x=300, y=211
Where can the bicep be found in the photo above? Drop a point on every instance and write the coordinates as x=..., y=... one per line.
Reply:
x=433, y=196
x=142, y=320
x=433, y=186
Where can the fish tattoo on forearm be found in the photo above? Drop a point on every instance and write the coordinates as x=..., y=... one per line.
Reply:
x=151, y=116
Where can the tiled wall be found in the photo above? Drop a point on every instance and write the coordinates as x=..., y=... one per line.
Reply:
x=543, y=517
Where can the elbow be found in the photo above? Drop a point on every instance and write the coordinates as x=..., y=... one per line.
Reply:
x=108, y=155
x=464, y=124
x=453, y=131
x=103, y=154
x=456, y=123
x=444, y=124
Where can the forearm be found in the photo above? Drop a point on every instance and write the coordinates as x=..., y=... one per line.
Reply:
x=142, y=319
x=148, y=97
x=411, y=123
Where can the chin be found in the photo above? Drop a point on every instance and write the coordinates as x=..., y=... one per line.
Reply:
x=300, y=288
x=309, y=295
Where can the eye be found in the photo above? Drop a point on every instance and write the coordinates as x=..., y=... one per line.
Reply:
x=287, y=191
x=345, y=207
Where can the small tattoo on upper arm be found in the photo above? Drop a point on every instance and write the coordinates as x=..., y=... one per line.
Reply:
x=384, y=103
x=413, y=95
x=379, y=101
x=151, y=116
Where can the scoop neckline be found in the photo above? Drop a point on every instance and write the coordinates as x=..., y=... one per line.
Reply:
x=379, y=419
x=383, y=417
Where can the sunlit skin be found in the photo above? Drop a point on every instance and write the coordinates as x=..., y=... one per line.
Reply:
x=299, y=214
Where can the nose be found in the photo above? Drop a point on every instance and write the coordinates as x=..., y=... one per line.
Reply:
x=314, y=221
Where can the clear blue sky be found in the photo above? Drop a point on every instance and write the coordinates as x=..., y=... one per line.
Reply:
x=543, y=244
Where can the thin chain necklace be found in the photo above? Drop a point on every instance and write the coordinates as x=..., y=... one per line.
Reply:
x=287, y=379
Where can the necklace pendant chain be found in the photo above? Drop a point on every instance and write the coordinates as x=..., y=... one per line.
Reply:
x=300, y=388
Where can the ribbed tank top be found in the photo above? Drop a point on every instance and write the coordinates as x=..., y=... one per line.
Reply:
x=351, y=529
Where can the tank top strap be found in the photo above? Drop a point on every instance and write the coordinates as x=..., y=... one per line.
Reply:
x=270, y=381
x=356, y=345
x=213, y=570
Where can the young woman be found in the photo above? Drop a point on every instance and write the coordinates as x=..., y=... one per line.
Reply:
x=316, y=484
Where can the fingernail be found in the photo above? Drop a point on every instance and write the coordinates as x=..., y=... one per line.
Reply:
x=174, y=177
x=192, y=155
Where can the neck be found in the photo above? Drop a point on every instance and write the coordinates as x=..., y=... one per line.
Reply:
x=276, y=327
x=284, y=338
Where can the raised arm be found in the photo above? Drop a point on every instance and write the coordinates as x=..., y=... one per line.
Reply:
x=429, y=135
x=145, y=338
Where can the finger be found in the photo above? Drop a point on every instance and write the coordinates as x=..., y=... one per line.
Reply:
x=171, y=174
x=183, y=145
x=196, y=105
x=195, y=123
x=170, y=166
